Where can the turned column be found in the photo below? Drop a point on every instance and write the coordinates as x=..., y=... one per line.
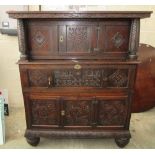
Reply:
x=134, y=38
x=22, y=39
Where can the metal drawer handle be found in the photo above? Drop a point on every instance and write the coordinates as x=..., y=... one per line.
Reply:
x=49, y=81
x=77, y=66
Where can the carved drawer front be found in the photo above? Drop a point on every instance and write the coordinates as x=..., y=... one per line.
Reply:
x=106, y=76
x=44, y=112
x=112, y=112
x=77, y=112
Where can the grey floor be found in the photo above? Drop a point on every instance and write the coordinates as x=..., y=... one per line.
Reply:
x=142, y=129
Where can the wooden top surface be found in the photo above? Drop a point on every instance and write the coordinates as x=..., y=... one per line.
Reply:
x=79, y=14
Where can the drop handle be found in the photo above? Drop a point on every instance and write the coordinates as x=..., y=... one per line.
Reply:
x=62, y=112
x=49, y=81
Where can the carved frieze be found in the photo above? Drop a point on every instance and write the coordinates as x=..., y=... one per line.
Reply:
x=91, y=78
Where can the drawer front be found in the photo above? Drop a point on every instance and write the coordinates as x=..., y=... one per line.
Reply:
x=103, y=76
x=107, y=39
x=44, y=111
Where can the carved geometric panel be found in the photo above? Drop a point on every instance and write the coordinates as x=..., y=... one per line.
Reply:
x=38, y=77
x=118, y=78
x=118, y=40
x=44, y=112
x=112, y=112
x=74, y=78
x=77, y=112
x=91, y=78
x=103, y=78
x=77, y=39
x=39, y=38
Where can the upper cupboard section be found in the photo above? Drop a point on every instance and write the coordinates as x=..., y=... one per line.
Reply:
x=79, y=39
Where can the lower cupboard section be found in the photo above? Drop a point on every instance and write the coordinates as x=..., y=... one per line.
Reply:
x=76, y=112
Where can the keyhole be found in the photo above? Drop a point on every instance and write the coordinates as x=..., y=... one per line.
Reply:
x=61, y=39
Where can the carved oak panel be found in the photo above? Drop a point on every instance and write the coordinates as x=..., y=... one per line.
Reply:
x=42, y=39
x=117, y=38
x=111, y=113
x=39, y=77
x=77, y=38
x=44, y=112
x=91, y=78
x=39, y=37
x=77, y=113
x=77, y=78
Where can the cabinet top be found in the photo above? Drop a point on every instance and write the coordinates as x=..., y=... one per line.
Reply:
x=79, y=14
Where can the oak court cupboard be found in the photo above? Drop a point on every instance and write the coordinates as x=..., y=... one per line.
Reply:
x=78, y=72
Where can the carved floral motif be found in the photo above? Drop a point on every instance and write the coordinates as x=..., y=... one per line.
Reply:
x=44, y=112
x=77, y=113
x=77, y=38
x=112, y=112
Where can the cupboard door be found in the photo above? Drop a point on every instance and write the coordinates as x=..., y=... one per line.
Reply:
x=112, y=112
x=77, y=112
x=44, y=113
x=77, y=38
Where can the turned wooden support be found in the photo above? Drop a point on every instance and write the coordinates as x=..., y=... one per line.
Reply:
x=134, y=38
x=22, y=39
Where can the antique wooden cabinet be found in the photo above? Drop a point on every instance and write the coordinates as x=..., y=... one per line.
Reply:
x=78, y=72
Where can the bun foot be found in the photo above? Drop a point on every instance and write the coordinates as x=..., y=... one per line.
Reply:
x=122, y=142
x=34, y=141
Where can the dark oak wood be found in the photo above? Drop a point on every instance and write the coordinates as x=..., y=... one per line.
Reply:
x=79, y=14
x=78, y=73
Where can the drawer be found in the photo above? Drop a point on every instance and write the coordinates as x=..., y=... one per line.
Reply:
x=79, y=75
x=76, y=111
